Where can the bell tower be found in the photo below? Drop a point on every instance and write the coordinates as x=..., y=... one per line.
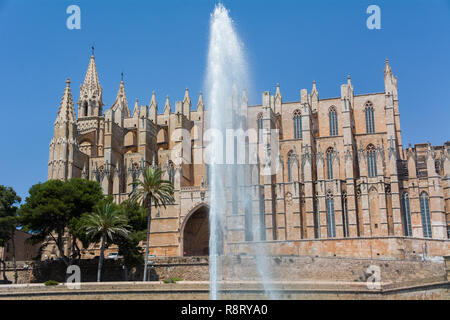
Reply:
x=90, y=121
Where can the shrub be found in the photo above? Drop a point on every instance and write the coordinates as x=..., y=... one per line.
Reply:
x=172, y=280
x=51, y=283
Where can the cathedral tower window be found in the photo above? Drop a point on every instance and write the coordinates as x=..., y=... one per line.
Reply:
x=406, y=215
x=84, y=109
x=332, y=114
x=371, y=160
x=330, y=163
x=330, y=216
x=370, y=121
x=297, y=124
x=425, y=210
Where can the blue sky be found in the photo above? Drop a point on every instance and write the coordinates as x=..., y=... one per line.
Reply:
x=162, y=46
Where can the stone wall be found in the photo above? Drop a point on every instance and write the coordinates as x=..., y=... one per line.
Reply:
x=400, y=248
x=295, y=268
x=189, y=268
x=242, y=268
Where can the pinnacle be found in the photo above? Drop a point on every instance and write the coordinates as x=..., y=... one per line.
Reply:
x=200, y=100
x=387, y=68
x=121, y=99
x=66, y=110
x=91, y=82
x=153, y=100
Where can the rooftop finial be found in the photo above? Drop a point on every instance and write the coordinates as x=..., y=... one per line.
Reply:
x=387, y=68
x=92, y=49
x=68, y=82
x=121, y=75
x=278, y=92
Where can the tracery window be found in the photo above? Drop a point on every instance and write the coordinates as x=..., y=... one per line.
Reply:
x=297, y=124
x=425, y=210
x=370, y=121
x=406, y=215
x=330, y=163
x=332, y=114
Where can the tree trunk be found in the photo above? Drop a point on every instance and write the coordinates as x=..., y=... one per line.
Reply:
x=149, y=221
x=5, y=279
x=16, y=276
x=102, y=257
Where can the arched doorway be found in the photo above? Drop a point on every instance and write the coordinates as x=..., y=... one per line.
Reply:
x=196, y=233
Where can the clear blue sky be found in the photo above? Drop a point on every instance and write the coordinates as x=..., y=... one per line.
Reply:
x=161, y=45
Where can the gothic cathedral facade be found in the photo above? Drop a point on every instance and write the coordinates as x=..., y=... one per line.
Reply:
x=345, y=179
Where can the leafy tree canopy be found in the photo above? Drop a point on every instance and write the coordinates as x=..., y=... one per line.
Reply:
x=8, y=213
x=55, y=207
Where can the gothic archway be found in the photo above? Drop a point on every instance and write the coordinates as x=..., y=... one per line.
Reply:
x=196, y=233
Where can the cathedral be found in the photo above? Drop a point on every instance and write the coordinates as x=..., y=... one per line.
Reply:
x=346, y=186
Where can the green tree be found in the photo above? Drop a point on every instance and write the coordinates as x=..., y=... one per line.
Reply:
x=129, y=246
x=152, y=190
x=53, y=209
x=8, y=223
x=103, y=225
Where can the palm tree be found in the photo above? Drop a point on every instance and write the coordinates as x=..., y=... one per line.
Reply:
x=104, y=224
x=152, y=190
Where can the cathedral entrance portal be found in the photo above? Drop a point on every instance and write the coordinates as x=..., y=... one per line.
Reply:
x=196, y=233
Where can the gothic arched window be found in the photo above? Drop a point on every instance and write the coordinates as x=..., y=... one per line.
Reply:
x=332, y=114
x=370, y=121
x=85, y=109
x=371, y=161
x=330, y=215
x=330, y=163
x=406, y=215
x=297, y=124
x=425, y=210
x=259, y=123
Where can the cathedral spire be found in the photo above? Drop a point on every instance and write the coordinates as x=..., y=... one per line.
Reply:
x=90, y=102
x=91, y=84
x=66, y=112
x=63, y=145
